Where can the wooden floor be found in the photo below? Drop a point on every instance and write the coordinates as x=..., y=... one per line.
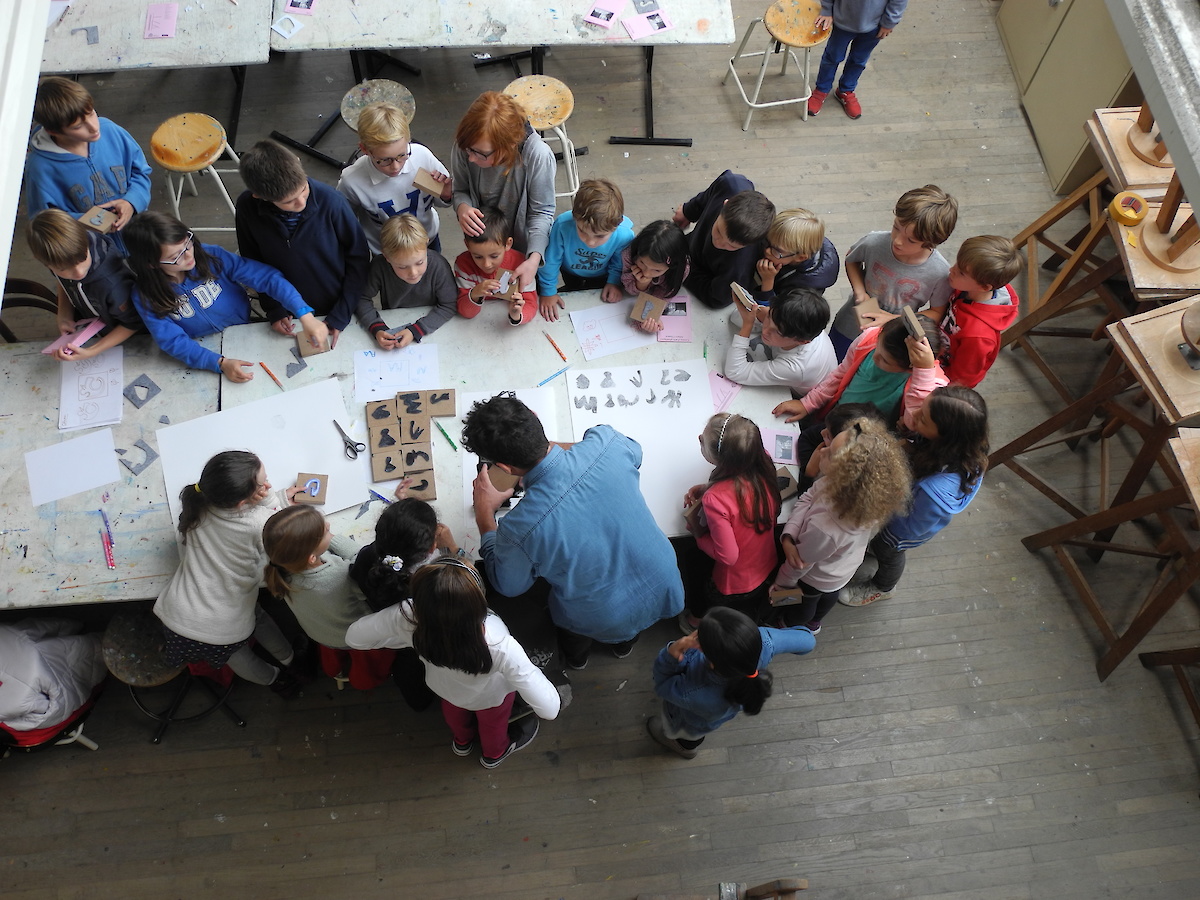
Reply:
x=952, y=742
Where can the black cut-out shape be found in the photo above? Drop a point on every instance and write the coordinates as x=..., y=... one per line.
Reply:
x=415, y=431
x=164, y=420
x=381, y=412
x=139, y=468
x=422, y=485
x=682, y=375
x=385, y=438
x=583, y=382
x=295, y=368
x=438, y=398
x=608, y=380
x=609, y=404
x=411, y=457
x=412, y=402
x=636, y=380
x=388, y=465
x=133, y=391
x=588, y=403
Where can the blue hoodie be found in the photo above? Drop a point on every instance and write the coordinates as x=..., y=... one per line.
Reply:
x=936, y=500
x=566, y=252
x=114, y=169
x=213, y=305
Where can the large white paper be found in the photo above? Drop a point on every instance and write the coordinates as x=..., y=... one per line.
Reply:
x=662, y=406
x=544, y=402
x=71, y=467
x=292, y=432
x=90, y=390
x=379, y=374
x=606, y=329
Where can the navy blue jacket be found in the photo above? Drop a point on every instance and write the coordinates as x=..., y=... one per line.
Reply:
x=818, y=272
x=713, y=269
x=326, y=258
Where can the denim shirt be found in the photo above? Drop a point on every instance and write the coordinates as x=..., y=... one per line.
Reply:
x=584, y=526
x=694, y=695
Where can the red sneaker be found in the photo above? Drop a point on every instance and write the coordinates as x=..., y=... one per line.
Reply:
x=849, y=103
x=816, y=101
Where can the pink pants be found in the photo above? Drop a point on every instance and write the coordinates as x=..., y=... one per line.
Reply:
x=491, y=725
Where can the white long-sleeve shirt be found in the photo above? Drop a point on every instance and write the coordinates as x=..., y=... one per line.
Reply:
x=801, y=368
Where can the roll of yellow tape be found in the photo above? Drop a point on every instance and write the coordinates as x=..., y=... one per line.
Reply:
x=1127, y=208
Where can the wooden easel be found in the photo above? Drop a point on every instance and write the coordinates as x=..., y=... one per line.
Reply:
x=1178, y=660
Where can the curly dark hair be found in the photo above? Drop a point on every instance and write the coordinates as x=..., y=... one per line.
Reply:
x=502, y=429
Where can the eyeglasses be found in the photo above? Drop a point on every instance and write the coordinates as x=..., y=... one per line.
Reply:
x=781, y=254
x=471, y=151
x=391, y=160
x=187, y=245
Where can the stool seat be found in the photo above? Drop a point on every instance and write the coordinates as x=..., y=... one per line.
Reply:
x=188, y=143
x=794, y=22
x=546, y=101
x=133, y=650
x=377, y=90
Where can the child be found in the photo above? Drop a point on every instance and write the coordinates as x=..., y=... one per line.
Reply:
x=885, y=367
x=731, y=219
x=478, y=271
x=310, y=568
x=739, y=507
x=210, y=607
x=719, y=670
x=307, y=231
x=798, y=351
x=472, y=662
x=903, y=268
x=379, y=184
x=585, y=247
x=185, y=290
x=864, y=481
x=409, y=273
x=93, y=280
x=499, y=161
x=797, y=255
x=983, y=305
x=857, y=26
x=948, y=461
x=78, y=160
x=655, y=262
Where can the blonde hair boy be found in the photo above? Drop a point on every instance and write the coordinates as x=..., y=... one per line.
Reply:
x=796, y=232
x=402, y=235
x=380, y=124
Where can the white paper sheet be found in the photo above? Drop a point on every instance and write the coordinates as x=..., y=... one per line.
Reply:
x=90, y=390
x=71, y=467
x=606, y=329
x=664, y=418
x=379, y=374
x=291, y=432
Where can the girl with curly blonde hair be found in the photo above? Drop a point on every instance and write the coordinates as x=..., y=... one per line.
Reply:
x=864, y=481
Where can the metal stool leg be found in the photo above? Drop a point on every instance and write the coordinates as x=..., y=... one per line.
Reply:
x=762, y=71
x=741, y=47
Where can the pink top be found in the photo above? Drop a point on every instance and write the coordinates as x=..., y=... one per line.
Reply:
x=744, y=559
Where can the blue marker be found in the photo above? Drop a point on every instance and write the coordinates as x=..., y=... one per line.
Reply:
x=545, y=381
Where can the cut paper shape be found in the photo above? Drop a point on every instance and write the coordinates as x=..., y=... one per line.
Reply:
x=142, y=383
x=286, y=26
x=723, y=391
x=149, y=456
x=85, y=329
x=645, y=26
x=71, y=467
x=92, y=32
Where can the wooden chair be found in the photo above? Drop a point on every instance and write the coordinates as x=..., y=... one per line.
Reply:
x=20, y=293
x=548, y=103
x=1178, y=661
x=789, y=24
x=779, y=889
x=188, y=144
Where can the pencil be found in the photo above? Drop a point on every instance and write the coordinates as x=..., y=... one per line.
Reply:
x=446, y=436
x=107, y=529
x=555, y=346
x=546, y=381
x=108, y=554
x=272, y=374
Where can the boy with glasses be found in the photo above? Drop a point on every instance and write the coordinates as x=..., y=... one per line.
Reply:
x=797, y=255
x=307, y=231
x=379, y=184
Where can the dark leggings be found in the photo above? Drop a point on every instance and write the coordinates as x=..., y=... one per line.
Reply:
x=815, y=606
x=891, y=563
x=573, y=282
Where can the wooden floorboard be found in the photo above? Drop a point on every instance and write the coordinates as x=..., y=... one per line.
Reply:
x=950, y=743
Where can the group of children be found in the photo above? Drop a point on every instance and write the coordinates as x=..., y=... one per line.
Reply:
x=894, y=441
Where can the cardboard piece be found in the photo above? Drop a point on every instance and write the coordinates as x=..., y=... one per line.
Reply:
x=441, y=403
x=304, y=348
x=411, y=403
x=912, y=323
x=424, y=485
x=787, y=484
x=387, y=466
x=742, y=296
x=501, y=480
x=694, y=516
x=787, y=598
x=863, y=311
x=647, y=307
x=415, y=429
x=381, y=412
x=417, y=456
x=424, y=181
x=509, y=289
x=314, y=486
x=99, y=219
x=385, y=437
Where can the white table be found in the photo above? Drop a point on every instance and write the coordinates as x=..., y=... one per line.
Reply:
x=51, y=555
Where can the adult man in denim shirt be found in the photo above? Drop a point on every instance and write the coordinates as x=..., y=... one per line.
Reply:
x=582, y=525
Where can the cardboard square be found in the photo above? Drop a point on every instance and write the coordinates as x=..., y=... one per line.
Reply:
x=509, y=289
x=304, y=348
x=424, y=181
x=694, y=516
x=647, y=307
x=441, y=403
x=411, y=403
x=912, y=323
x=387, y=466
x=501, y=480
x=787, y=598
x=424, y=485
x=787, y=484
x=381, y=412
x=743, y=296
x=384, y=437
x=99, y=219
x=415, y=429
x=862, y=312
x=314, y=486
x=416, y=456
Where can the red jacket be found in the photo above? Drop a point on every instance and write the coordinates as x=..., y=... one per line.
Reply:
x=974, y=330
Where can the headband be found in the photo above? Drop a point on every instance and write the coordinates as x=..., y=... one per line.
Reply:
x=721, y=436
x=455, y=561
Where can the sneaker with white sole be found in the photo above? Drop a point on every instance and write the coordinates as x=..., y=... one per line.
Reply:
x=815, y=101
x=655, y=728
x=462, y=749
x=862, y=595
x=520, y=734
x=849, y=103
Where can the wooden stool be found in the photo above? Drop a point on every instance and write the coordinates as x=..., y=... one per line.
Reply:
x=377, y=90
x=190, y=143
x=549, y=103
x=133, y=652
x=789, y=23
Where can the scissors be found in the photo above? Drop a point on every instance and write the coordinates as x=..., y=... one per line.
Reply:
x=353, y=447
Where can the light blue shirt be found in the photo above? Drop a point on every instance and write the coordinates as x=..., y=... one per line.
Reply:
x=566, y=252
x=584, y=526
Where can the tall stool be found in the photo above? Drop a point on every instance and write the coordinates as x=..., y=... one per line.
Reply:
x=549, y=103
x=376, y=90
x=790, y=24
x=133, y=652
x=190, y=143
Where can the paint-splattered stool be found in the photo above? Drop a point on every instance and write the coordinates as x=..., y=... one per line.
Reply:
x=549, y=103
x=190, y=143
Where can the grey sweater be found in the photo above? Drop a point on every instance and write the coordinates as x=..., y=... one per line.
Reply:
x=325, y=600
x=436, y=288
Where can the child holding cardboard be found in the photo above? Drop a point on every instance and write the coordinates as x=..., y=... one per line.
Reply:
x=488, y=270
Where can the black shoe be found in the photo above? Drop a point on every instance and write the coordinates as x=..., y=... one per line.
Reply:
x=520, y=709
x=623, y=649
x=520, y=735
x=286, y=685
x=577, y=663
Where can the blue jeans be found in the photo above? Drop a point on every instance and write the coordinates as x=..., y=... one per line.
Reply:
x=860, y=47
